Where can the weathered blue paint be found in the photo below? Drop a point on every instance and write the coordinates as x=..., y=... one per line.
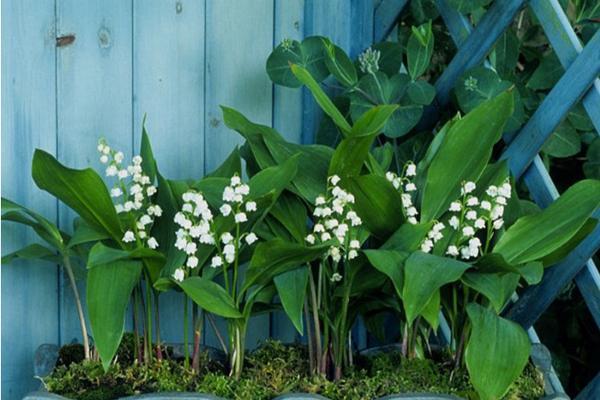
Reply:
x=591, y=391
x=30, y=297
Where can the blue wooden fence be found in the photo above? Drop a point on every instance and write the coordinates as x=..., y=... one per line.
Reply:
x=178, y=61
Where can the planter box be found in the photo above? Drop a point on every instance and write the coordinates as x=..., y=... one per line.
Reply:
x=200, y=396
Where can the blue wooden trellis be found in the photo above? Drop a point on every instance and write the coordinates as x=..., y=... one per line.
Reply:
x=579, y=82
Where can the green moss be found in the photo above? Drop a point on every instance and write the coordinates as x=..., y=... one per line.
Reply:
x=274, y=369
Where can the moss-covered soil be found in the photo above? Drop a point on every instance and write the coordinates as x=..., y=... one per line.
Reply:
x=271, y=370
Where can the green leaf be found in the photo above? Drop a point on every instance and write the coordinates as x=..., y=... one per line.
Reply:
x=109, y=287
x=45, y=229
x=291, y=287
x=33, y=251
x=506, y=54
x=390, y=58
x=321, y=97
x=210, y=296
x=496, y=354
x=291, y=212
x=350, y=155
x=376, y=203
x=478, y=85
x=420, y=92
x=547, y=73
x=535, y=236
x=496, y=287
x=309, y=54
x=408, y=237
x=84, y=233
x=563, y=251
x=431, y=311
x=424, y=274
x=101, y=254
x=340, y=65
x=591, y=167
x=419, y=49
x=82, y=190
x=390, y=263
x=276, y=257
x=148, y=162
x=564, y=141
x=274, y=179
x=452, y=164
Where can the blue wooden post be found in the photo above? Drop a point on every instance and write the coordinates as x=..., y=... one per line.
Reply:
x=30, y=299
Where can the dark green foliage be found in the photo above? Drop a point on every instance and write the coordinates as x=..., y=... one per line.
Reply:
x=273, y=369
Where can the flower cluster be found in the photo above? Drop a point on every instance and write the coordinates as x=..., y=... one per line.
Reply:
x=336, y=222
x=196, y=226
x=404, y=183
x=369, y=61
x=133, y=192
x=469, y=216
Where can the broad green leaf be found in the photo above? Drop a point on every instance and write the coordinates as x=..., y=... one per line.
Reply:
x=547, y=73
x=373, y=121
x=424, y=274
x=506, y=54
x=496, y=287
x=384, y=155
x=321, y=97
x=496, y=354
x=431, y=311
x=274, y=179
x=33, y=251
x=82, y=190
x=564, y=141
x=478, y=85
x=270, y=149
x=48, y=231
x=378, y=89
x=210, y=296
x=452, y=164
x=310, y=54
x=420, y=92
x=390, y=263
x=276, y=257
x=591, y=167
x=350, y=155
x=377, y=203
x=84, y=233
x=495, y=263
x=419, y=49
x=560, y=253
x=390, y=58
x=291, y=213
x=340, y=65
x=101, y=254
x=109, y=287
x=535, y=236
x=291, y=287
x=408, y=237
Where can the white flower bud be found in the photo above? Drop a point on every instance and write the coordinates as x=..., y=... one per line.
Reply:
x=310, y=239
x=479, y=223
x=191, y=248
x=468, y=231
x=116, y=192
x=226, y=238
x=492, y=191
x=251, y=206
x=472, y=201
x=455, y=206
x=137, y=160
x=426, y=246
x=235, y=180
x=225, y=209
x=390, y=176
x=411, y=169
x=467, y=187
x=129, y=237
x=454, y=222
x=319, y=201
x=119, y=156
x=336, y=277
x=179, y=275
x=471, y=215
x=251, y=238
x=103, y=158
x=410, y=187
x=486, y=205
x=192, y=262
x=334, y=179
x=352, y=254
x=152, y=243
x=354, y=244
x=216, y=261
x=498, y=224
x=240, y=217
x=452, y=250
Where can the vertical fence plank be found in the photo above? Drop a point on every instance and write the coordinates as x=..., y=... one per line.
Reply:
x=94, y=99
x=239, y=38
x=287, y=117
x=168, y=86
x=29, y=290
